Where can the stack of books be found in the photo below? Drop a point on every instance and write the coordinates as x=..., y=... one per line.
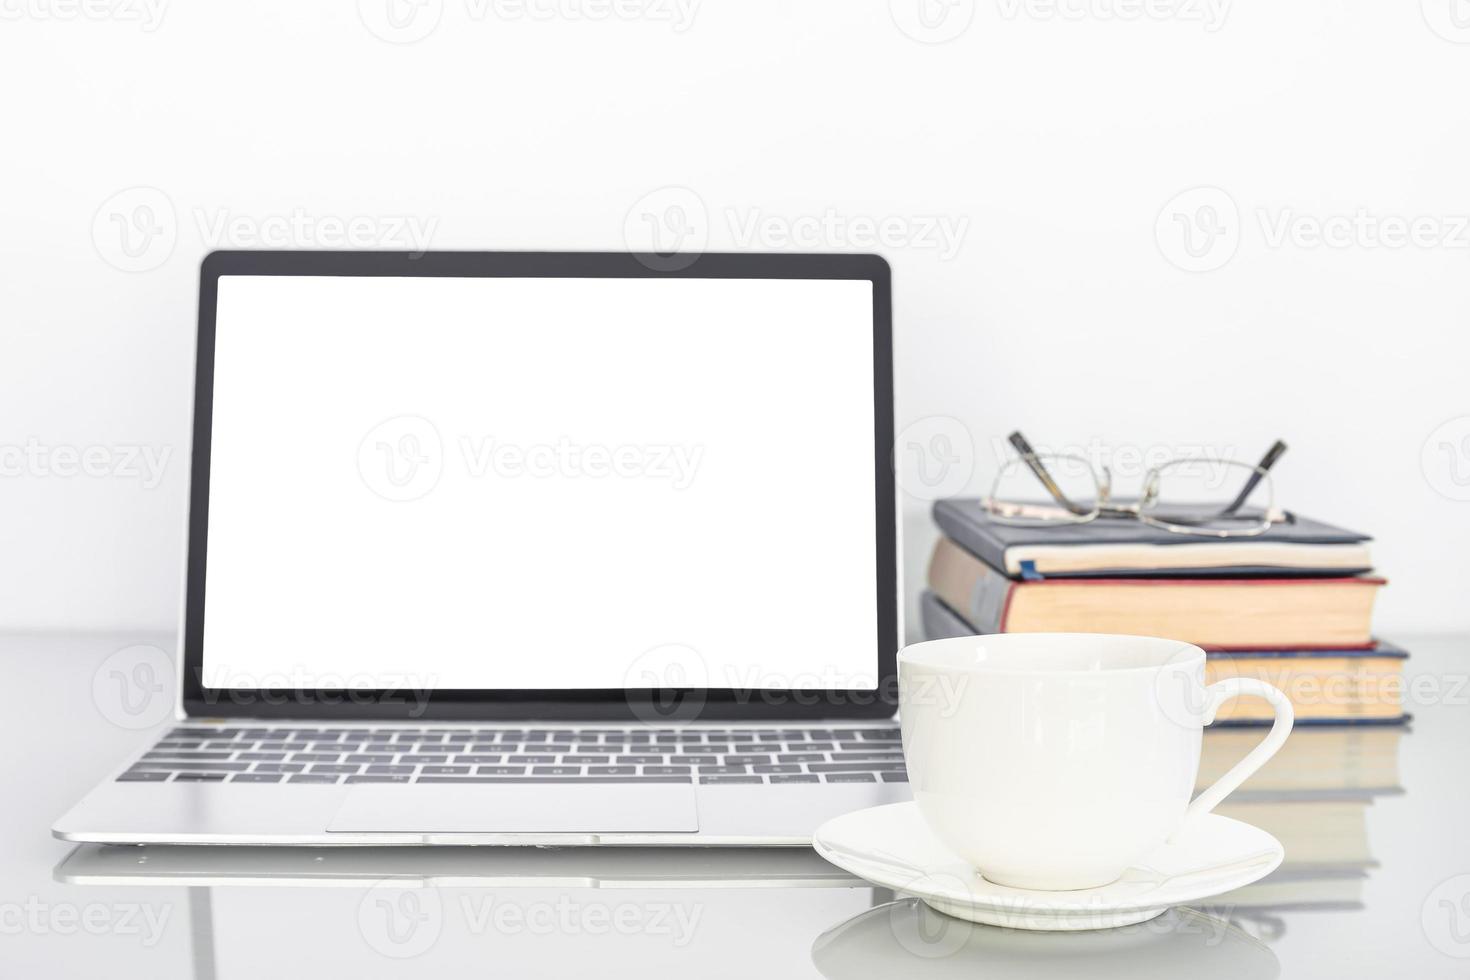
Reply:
x=1292, y=606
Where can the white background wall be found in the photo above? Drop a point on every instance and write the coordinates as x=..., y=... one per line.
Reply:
x=1051, y=141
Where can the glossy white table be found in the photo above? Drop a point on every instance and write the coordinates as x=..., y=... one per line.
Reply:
x=1383, y=889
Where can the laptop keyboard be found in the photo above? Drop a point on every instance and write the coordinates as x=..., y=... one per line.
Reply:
x=501, y=755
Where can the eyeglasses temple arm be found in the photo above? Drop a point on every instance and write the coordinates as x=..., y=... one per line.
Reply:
x=1028, y=455
x=1267, y=461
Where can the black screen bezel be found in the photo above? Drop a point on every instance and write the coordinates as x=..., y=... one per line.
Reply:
x=552, y=705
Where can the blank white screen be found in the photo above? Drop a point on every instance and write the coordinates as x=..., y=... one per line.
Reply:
x=490, y=483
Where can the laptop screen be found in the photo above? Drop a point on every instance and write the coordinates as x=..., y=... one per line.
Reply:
x=541, y=484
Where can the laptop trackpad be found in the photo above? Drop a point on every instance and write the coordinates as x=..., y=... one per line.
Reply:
x=517, y=808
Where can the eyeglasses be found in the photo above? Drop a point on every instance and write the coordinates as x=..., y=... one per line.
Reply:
x=1187, y=495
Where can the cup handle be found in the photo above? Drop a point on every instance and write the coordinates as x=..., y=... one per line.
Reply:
x=1218, y=694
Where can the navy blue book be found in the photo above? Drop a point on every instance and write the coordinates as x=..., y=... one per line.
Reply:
x=1116, y=547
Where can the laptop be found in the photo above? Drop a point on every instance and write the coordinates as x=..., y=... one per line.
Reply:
x=530, y=549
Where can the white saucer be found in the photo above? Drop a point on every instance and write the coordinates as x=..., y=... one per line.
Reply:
x=893, y=846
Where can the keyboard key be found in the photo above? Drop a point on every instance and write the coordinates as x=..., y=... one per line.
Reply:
x=746, y=760
x=279, y=767
x=369, y=759
x=806, y=777
x=399, y=770
x=785, y=767
x=556, y=770
x=666, y=770
x=802, y=757
x=477, y=758
x=730, y=779
x=446, y=770
x=854, y=766
x=380, y=779
x=895, y=777
x=133, y=776
x=615, y=771
x=187, y=755
x=867, y=757
x=194, y=766
x=316, y=757
x=312, y=778
x=533, y=759
x=850, y=777
x=256, y=777
x=424, y=760
x=338, y=770
x=721, y=770
x=200, y=777
x=499, y=770
x=694, y=760
x=641, y=760
x=263, y=756
x=819, y=747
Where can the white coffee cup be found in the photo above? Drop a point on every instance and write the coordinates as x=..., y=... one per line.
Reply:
x=1055, y=761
